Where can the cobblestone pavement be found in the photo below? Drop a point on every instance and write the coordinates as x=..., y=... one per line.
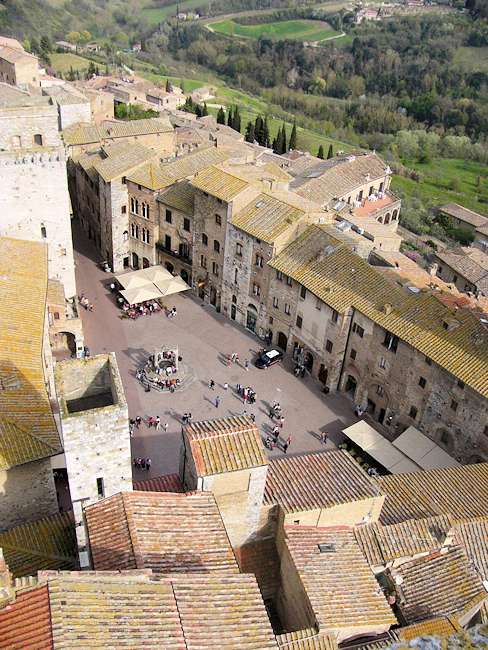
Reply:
x=204, y=338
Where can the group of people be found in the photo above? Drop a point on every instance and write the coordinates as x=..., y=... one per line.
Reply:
x=171, y=313
x=273, y=440
x=186, y=418
x=84, y=302
x=143, y=309
x=142, y=463
x=247, y=393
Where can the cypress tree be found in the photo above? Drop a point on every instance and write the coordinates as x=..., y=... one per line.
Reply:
x=265, y=132
x=293, y=137
x=169, y=88
x=205, y=110
x=330, y=153
x=250, y=132
x=230, y=117
x=258, y=129
x=236, y=121
x=282, y=140
x=275, y=145
x=198, y=110
x=221, y=116
x=320, y=153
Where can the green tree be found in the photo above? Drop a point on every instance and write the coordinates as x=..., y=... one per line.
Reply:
x=221, y=116
x=204, y=110
x=249, y=137
x=330, y=153
x=320, y=153
x=34, y=45
x=236, y=121
x=230, y=117
x=283, y=140
x=46, y=45
x=169, y=87
x=259, y=130
x=293, y=137
x=266, y=132
x=72, y=37
x=182, y=85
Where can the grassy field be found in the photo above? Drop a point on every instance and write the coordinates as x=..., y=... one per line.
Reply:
x=474, y=58
x=63, y=62
x=447, y=180
x=300, y=30
x=156, y=15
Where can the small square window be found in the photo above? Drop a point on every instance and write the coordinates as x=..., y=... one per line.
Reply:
x=218, y=219
x=279, y=276
x=289, y=281
x=239, y=250
x=454, y=405
x=335, y=316
x=186, y=224
x=460, y=383
x=382, y=363
x=318, y=304
x=328, y=346
x=299, y=322
x=124, y=209
x=216, y=246
x=303, y=293
x=287, y=309
x=413, y=412
x=357, y=329
x=422, y=382
x=169, y=216
x=353, y=354
x=428, y=361
x=275, y=302
x=204, y=239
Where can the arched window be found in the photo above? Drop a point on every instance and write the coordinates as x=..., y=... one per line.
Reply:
x=137, y=231
x=132, y=230
x=43, y=231
x=38, y=139
x=387, y=217
x=394, y=215
x=125, y=235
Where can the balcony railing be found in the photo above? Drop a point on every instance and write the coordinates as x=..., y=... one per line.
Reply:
x=160, y=246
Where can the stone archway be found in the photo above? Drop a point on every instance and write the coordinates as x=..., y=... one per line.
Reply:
x=135, y=261
x=251, y=318
x=184, y=275
x=282, y=341
x=145, y=263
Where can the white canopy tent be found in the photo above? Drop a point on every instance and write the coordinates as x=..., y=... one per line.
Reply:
x=423, y=450
x=379, y=448
x=149, y=284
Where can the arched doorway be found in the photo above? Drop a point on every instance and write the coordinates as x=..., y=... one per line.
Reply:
x=145, y=263
x=184, y=275
x=351, y=385
x=66, y=342
x=135, y=261
x=213, y=296
x=169, y=267
x=323, y=374
x=282, y=341
x=309, y=361
x=252, y=318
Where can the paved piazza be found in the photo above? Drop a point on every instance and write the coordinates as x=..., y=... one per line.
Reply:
x=204, y=339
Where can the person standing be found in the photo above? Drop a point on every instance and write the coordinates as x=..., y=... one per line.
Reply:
x=287, y=444
x=138, y=421
x=211, y=384
x=323, y=437
x=226, y=386
x=217, y=402
x=282, y=421
x=165, y=427
x=246, y=365
x=148, y=464
x=157, y=423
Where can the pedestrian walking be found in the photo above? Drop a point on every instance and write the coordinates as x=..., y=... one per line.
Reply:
x=148, y=462
x=157, y=423
x=217, y=402
x=246, y=365
x=211, y=384
x=143, y=463
x=286, y=444
x=276, y=432
x=282, y=421
x=138, y=421
x=226, y=386
x=189, y=418
x=150, y=421
x=165, y=427
x=253, y=417
x=323, y=437
x=239, y=388
x=245, y=393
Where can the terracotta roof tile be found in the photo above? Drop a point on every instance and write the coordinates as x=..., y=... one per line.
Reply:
x=440, y=584
x=161, y=531
x=462, y=213
x=342, y=571
x=262, y=559
x=25, y=624
x=122, y=159
x=343, y=280
x=458, y=491
x=78, y=134
x=383, y=544
x=225, y=445
x=180, y=197
x=27, y=427
x=166, y=483
x=306, y=639
x=319, y=480
x=470, y=263
x=48, y=543
x=472, y=536
x=442, y=627
x=219, y=183
x=267, y=217
x=224, y=612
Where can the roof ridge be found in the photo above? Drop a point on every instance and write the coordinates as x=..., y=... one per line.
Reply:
x=131, y=527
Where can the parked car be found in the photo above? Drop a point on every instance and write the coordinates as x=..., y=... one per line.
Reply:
x=268, y=358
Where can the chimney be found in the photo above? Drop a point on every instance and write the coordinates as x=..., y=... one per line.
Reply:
x=387, y=308
x=7, y=593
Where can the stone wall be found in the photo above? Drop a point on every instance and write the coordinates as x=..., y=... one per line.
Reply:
x=27, y=492
x=179, y=236
x=19, y=125
x=96, y=440
x=34, y=205
x=142, y=249
x=72, y=113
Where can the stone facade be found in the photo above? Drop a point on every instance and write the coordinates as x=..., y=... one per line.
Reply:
x=176, y=239
x=73, y=112
x=143, y=225
x=94, y=422
x=27, y=492
x=19, y=68
x=35, y=205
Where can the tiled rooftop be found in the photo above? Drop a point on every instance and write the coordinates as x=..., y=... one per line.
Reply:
x=166, y=483
x=307, y=639
x=79, y=134
x=319, y=480
x=470, y=263
x=267, y=217
x=27, y=428
x=48, y=543
x=472, y=536
x=458, y=491
x=440, y=584
x=225, y=445
x=462, y=213
x=122, y=158
x=382, y=544
x=342, y=280
x=14, y=55
x=441, y=627
x=338, y=177
x=219, y=183
x=26, y=623
x=161, y=531
x=342, y=571
x=180, y=197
